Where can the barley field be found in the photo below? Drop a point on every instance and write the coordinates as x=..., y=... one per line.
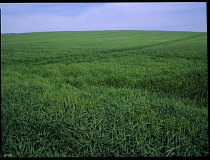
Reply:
x=126, y=93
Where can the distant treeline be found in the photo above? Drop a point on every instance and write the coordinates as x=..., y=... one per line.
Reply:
x=8, y=33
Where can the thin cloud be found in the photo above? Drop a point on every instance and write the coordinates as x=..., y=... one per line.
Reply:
x=103, y=16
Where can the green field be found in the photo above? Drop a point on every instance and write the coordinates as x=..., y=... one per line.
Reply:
x=104, y=94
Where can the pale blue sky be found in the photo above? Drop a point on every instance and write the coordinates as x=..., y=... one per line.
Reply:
x=42, y=17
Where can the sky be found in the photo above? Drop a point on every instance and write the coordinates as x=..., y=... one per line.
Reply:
x=46, y=17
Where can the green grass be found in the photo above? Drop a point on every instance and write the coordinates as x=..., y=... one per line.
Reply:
x=104, y=93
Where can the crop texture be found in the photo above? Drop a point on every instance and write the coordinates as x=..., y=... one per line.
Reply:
x=104, y=94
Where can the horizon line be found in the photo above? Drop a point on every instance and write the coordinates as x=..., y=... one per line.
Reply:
x=99, y=30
